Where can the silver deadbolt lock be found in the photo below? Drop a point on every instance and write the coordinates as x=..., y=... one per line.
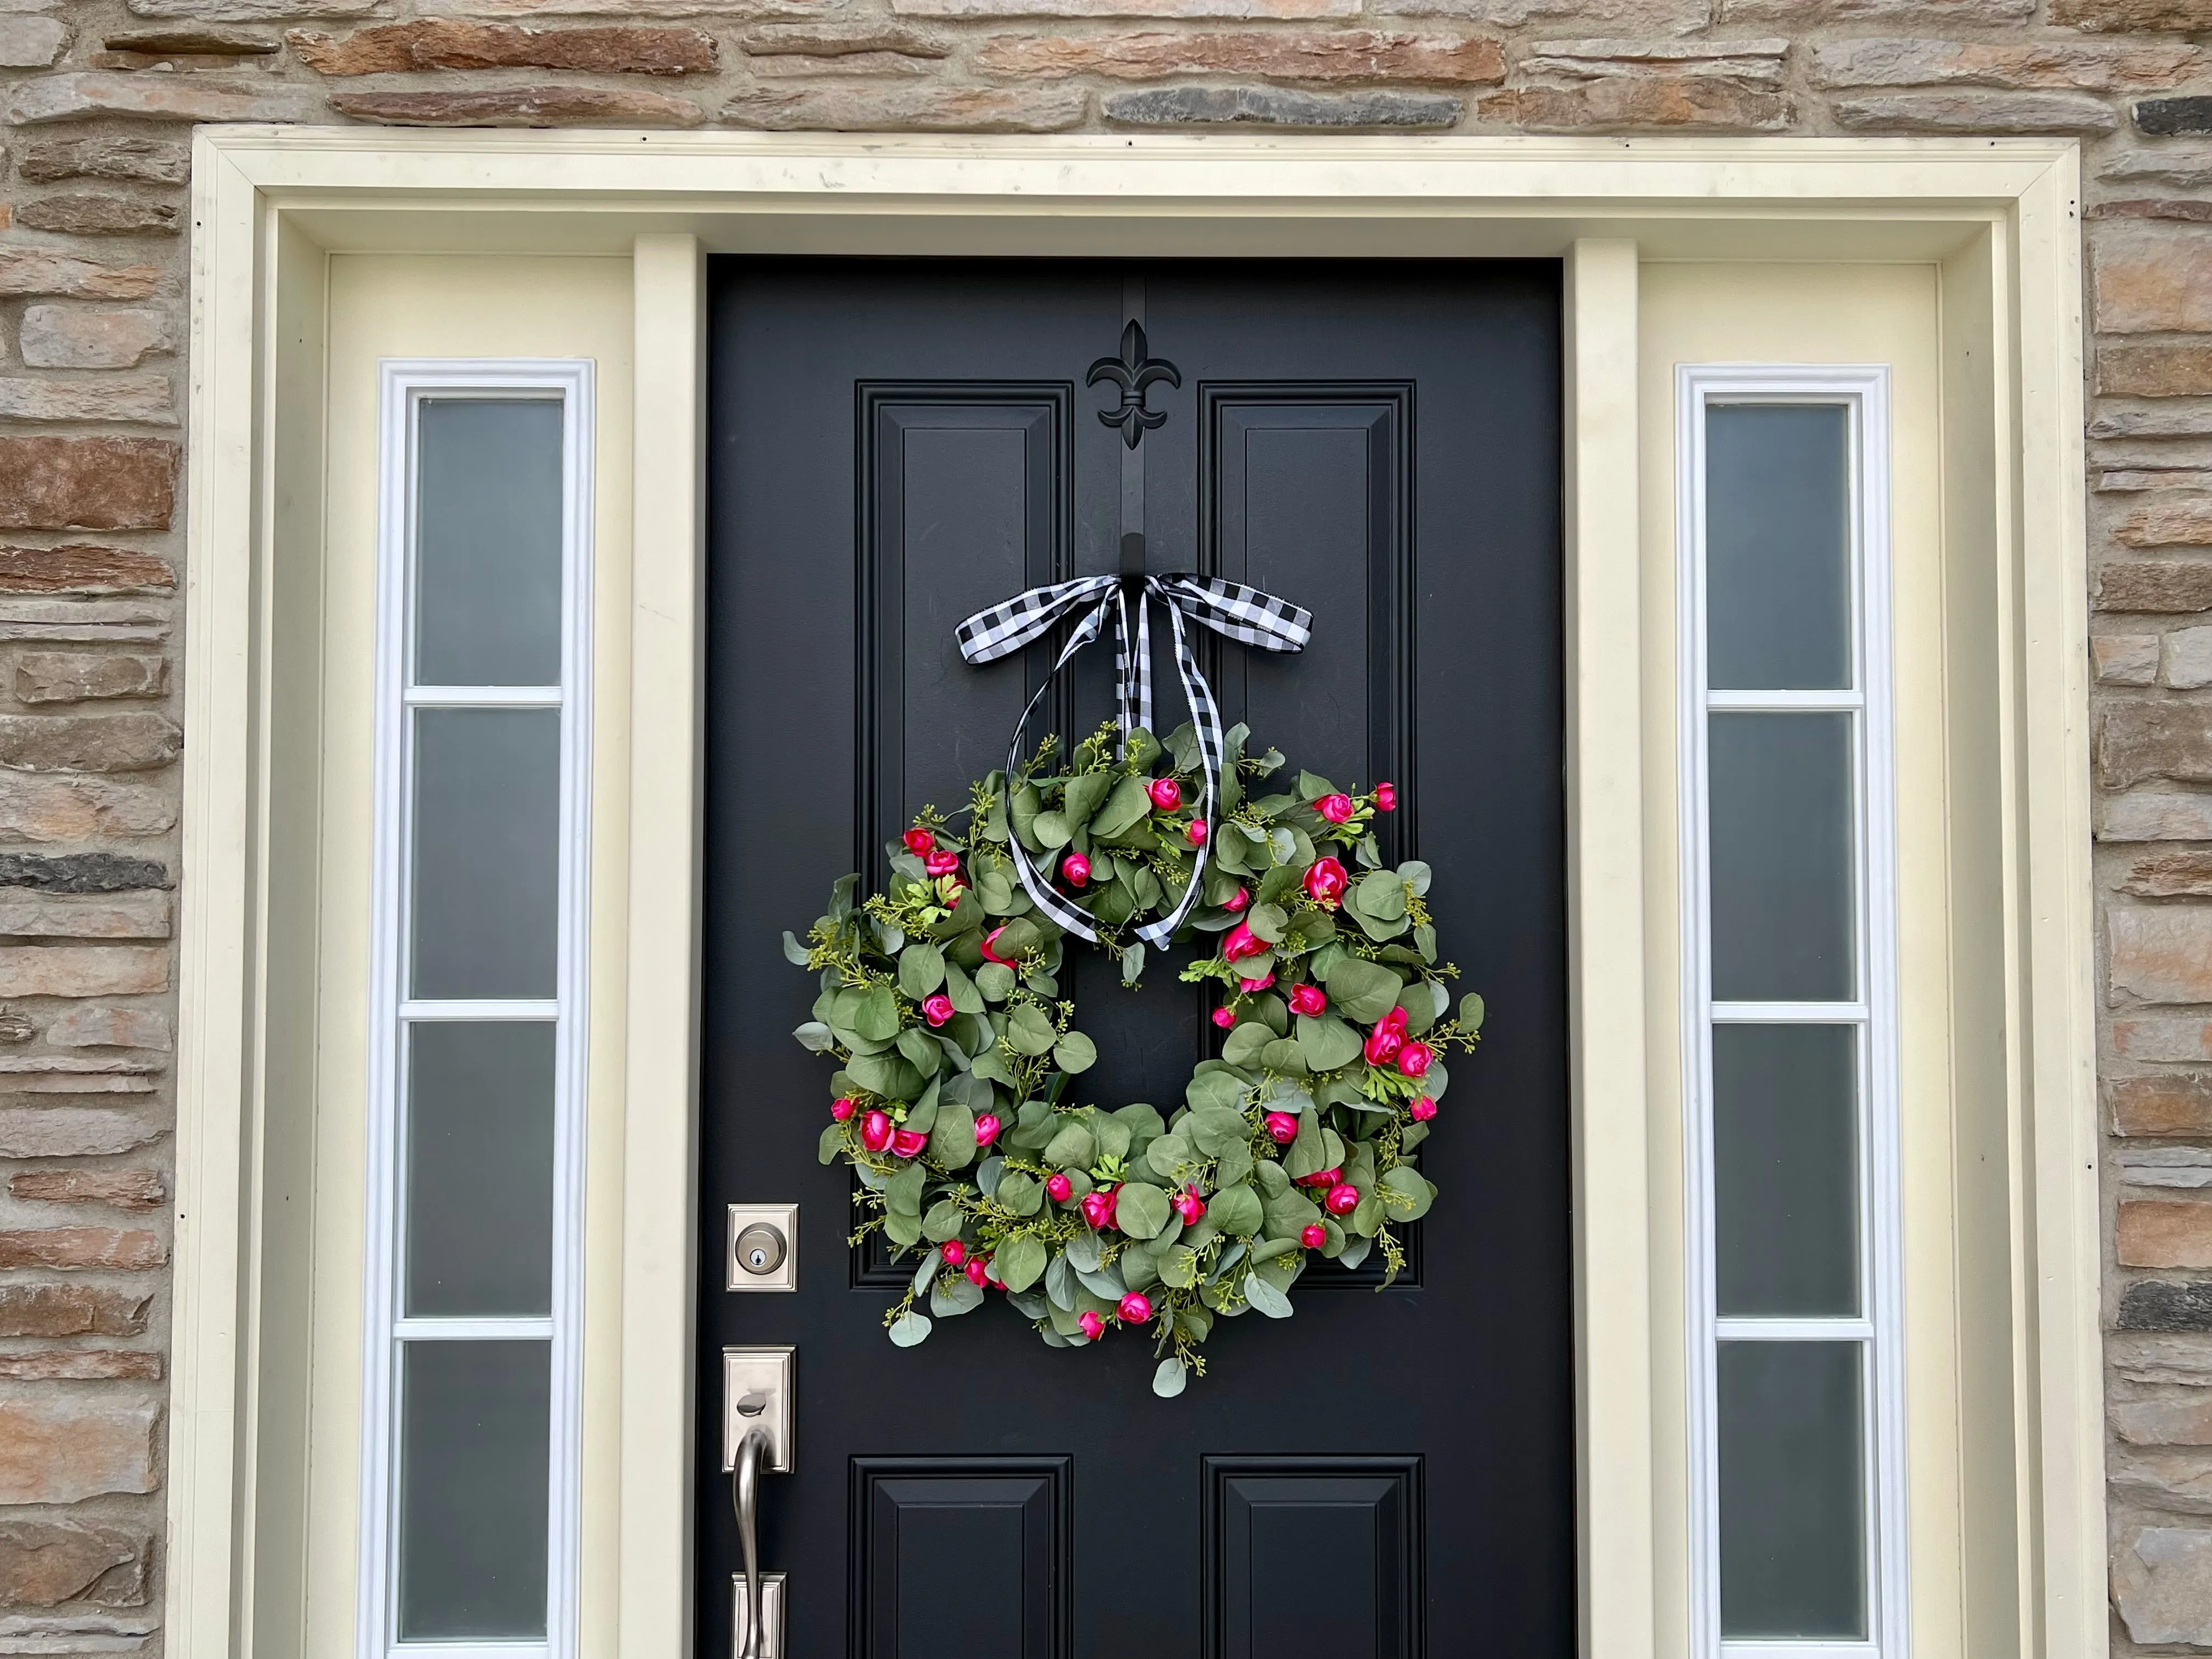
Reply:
x=761, y=1248
x=763, y=1252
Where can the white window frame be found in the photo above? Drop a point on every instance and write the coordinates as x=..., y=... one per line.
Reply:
x=1864, y=392
x=403, y=386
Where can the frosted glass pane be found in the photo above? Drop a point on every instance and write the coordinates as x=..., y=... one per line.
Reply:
x=488, y=543
x=1793, y=1544
x=487, y=851
x=475, y=1427
x=1777, y=547
x=480, y=1170
x=1785, y=1169
x=1781, y=801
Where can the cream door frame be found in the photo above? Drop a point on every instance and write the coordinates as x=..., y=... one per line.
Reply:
x=1999, y=220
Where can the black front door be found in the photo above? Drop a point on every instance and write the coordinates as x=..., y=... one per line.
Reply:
x=894, y=446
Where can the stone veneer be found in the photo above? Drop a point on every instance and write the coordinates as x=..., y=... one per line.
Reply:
x=96, y=99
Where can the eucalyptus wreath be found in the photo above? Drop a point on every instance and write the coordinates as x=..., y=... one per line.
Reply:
x=958, y=1098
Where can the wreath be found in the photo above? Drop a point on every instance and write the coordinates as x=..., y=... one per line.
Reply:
x=957, y=1099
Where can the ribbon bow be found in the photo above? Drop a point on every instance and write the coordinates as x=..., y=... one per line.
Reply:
x=1230, y=609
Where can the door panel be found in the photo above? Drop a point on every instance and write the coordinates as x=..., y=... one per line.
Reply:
x=896, y=445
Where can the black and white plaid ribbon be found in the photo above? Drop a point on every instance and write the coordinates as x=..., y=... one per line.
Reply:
x=1240, y=613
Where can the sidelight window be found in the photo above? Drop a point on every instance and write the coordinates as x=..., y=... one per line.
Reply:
x=472, y=1372
x=1796, y=1389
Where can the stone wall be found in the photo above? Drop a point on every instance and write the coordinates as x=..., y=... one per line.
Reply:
x=97, y=96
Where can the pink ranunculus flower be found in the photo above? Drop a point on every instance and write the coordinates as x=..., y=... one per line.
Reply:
x=1326, y=880
x=978, y=1269
x=876, y=1131
x=1254, y=986
x=1190, y=1207
x=1236, y=901
x=1308, y=999
x=1196, y=834
x=1225, y=1018
x=1136, y=1308
x=842, y=1108
x=1282, y=1127
x=938, y=1009
x=1166, y=793
x=1388, y=1037
x=1242, y=942
x=907, y=1143
x=942, y=864
x=1413, y=1059
x=987, y=1128
x=1059, y=1189
x=920, y=841
x=955, y=1252
x=1075, y=869
x=1093, y=1326
x=1337, y=809
x=1386, y=797
x=990, y=954
x=1314, y=1236
x=1343, y=1198
x=1423, y=1109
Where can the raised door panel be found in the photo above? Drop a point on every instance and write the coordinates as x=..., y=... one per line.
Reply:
x=960, y=1558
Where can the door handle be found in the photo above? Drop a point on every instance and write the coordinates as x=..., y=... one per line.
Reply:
x=744, y=1498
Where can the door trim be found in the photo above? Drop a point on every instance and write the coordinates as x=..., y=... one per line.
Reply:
x=2000, y=220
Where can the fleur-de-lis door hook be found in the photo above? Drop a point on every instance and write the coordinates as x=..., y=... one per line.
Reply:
x=1134, y=372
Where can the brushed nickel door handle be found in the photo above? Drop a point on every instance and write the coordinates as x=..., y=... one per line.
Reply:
x=744, y=1498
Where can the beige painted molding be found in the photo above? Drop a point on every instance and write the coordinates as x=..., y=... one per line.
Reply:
x=1997, y=217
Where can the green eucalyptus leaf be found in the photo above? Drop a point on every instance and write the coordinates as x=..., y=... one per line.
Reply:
x=1022, y=1195
x=996, y=980
x=1082, y=797
x=1211, y=1129
x=1169, y=1153
x=966, y=998
x=794, y=952
x=1415, y=874
x=1327, y=1040
x=1140, y=1210
x=1169, y=1379
x=1246, y=1041
x=902, y=1229
x=1214, y=1088
x=902, y=1192
x=1471, y=1010
x=952, y=1138
x=831, y=1145
x=1133, y=964
x=1290, y=1212
x=1073, y=1147
x=909, y=1329
x=1020, y=1262
x=1236, y=1210
x=1268, y=922
x=888, y=1075
x=961, y=1295
x=922, y=969
x=1415, y=1192
x=817, y=1036
x=874, y=1015
x=1235, y=1164
x=1029, y=1030
x=1283, y=1055
x=1075, y=1053
x=1362, y=990
x=1052, y=831
x=1383, y=896
x=1265, y=1298
x=921, y=1048
x=1123, y=811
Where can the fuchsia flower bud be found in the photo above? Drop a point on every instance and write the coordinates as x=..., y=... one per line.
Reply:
x=1307, y=999
x=1423, y=1109
x=909, y=1143
x=978, y=1269
x=936, y=1009
x=876, y=1131
x=842, y=1108
x=1343, y=1198
x=1059, y=1189
x=1166, y=793
x=1098, y=1207
x=920, y=841
x=1321, y=1178
x=987, y=1128
x=1413, y=1059
x=1196, y=834
x=1282, y=1127
x=990, y=954
x=1314, y=1236
x=955, y=1252
x=1325, y=881
x=1075, y=869
x=942, y=864
x=1337, y=809
x=1253, y=987
x=1136, y=1308
x=1093, y=1326
x=1190, y=1207
x=1242, y=942
x=1236, y=901
x=1388, y=1039
x=1225, y=1018
x=1386, y=797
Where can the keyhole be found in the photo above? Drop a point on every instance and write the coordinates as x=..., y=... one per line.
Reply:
x=759, y=1258
x=761, y=1248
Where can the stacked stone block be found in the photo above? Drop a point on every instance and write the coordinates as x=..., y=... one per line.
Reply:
x=97, y=97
